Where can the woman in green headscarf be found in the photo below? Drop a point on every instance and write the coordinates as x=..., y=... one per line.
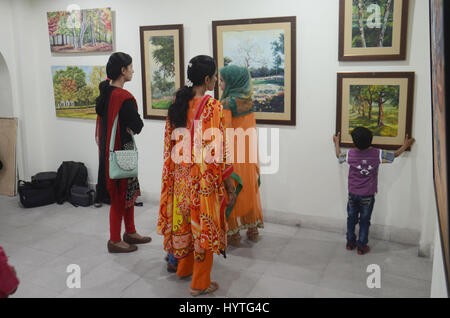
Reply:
x=236, y=84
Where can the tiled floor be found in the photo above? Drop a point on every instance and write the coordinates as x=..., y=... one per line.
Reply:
x=286, y=262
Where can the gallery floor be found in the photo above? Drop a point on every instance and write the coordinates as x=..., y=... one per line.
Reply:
x=287, y=262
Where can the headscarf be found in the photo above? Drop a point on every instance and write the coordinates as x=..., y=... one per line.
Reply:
x=237, y=95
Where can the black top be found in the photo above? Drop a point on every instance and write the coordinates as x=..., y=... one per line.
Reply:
x=128, y=118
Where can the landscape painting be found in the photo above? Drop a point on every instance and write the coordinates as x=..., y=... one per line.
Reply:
x=75, y=90
x=162, y=67
x=80, y=31
x=381, y=102
x=371, y=30
x=375, y=107
x=265, y=47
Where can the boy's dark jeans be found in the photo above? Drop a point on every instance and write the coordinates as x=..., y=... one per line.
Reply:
x=359, y=207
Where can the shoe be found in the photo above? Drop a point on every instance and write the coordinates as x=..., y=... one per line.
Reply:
x=131, y=240
x=171, y=268
x=350, y=246
x=212, y=288
x=363, y=249
x=112, y=248
x=234, y=240
x=253, y=235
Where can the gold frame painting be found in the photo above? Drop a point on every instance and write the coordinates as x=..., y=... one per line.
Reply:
x=267, y=47
x=162, y=62
x=359, y=96
x=373, y=30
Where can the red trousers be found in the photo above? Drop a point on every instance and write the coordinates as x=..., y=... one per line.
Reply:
x=200, y=271
x=118, y=212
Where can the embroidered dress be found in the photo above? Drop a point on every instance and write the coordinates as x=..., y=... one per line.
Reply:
x=193, y=196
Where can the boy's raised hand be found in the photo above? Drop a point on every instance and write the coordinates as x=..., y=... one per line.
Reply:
x=337, y=138
x=408, y=141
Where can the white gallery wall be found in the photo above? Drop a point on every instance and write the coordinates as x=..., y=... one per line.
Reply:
x=310, y=183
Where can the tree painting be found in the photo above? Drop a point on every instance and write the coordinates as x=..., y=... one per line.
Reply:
x=375, y=107
x=162, y=66
x=75, y=90
x=372, y=23
x=262, y=52
x=80, y=31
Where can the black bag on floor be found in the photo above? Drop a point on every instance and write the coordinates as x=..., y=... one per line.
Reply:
x=70, y=173
x=34, y=194
x=45, y=178
x=81, y=196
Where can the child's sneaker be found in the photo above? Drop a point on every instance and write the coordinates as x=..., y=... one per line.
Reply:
x=363, y=249
x=350, y=246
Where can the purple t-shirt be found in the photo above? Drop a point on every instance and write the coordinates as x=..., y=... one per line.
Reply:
x=363, y=172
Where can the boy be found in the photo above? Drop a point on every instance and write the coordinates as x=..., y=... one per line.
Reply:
x=362, y=182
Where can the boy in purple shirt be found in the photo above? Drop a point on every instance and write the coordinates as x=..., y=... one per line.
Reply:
x=363, y=182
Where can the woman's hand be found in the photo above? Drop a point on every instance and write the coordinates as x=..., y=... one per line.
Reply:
x=231, y=190
x=130, y=131
x=231, y=198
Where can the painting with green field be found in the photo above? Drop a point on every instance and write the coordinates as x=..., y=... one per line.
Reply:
x=372, y=23
x=162, y=66
x=75, y=89
x=262, y=52
x=375, y=107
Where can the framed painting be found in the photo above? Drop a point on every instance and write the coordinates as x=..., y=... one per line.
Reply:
x=80, y=31
x=440, y=92
x=267, y=47
x=162, y=55
x=373, y=30
x=75, y=89
x=381, y=102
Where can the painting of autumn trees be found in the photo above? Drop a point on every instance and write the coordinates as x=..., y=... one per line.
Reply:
x=372, y=23
x=75, y=90
x=80, y=31
x=375, y=107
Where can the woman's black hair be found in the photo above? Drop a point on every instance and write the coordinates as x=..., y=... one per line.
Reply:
x=362, y=137
x=113, y=71
x=199, y=67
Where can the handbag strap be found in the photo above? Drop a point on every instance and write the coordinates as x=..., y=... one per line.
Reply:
x=113, y=136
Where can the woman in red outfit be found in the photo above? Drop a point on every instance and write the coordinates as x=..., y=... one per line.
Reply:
x=113, y=101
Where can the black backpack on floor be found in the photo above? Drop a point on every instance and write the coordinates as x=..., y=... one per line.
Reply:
x=70, y=173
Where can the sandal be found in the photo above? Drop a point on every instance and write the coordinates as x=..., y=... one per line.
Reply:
x=212, y=288
x=234, y=240
x=253, y=235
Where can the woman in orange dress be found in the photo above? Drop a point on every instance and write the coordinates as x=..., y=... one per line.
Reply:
x=196, y=184
x=236, y=84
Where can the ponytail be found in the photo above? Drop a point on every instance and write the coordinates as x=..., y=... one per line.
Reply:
x=179, y=109
x=100, y=101
x=199, y=67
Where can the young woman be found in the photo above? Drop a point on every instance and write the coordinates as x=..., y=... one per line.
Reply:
x=113, y=101
x=236, y=84
x=194, y=193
